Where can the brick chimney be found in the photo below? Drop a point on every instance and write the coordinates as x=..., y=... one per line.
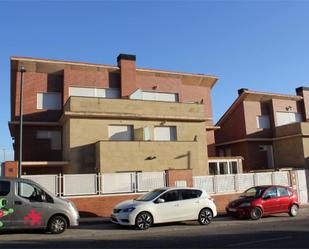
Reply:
x=241, y=90
x=127, y=65
x=304, y=92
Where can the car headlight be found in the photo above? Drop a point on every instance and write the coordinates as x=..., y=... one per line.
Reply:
x=128, y=210
x=245, y=204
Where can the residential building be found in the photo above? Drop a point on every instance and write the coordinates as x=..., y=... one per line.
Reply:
x=269, y=130
x=84, y=117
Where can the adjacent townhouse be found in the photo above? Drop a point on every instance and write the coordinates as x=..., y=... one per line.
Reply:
x=269, y=130
x=84, y=117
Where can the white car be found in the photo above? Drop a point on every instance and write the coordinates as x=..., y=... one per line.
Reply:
x=165, y=205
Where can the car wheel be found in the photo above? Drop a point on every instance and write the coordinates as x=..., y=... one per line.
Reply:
x=293, y=210
x=256, y=213
x=205, y=216
x=143, y=221
x=57, y=224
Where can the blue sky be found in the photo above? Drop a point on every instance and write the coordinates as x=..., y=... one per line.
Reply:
x=260, y=45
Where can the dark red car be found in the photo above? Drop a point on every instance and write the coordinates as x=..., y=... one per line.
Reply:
x=264, y=200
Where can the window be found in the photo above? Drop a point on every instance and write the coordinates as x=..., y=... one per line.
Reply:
x=283, y=192
x=156, y=96
x=190, y=194
x=172, y=195
x=233, y=167
x=111, y=93
x=5, y=187
x=147, y=133
x=49, y=101
x=54, y=136
x=120, y=132
x=272, y=193
x=165, y=133
x=263, y=122
x=223, y=167
x=33, y=193
x=284, y=118
x=213, y=169
x=28, y=191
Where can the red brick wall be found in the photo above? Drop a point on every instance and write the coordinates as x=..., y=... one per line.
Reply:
x=233, y=127
x=128, y=77
x=174, y=175
x=35, y=83
x=10, y=169
x=99, y=206
x=221, y=201
x=88, y=77
x=36, y=149
x=103, y=205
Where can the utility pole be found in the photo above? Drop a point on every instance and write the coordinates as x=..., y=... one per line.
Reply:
x=22, y=71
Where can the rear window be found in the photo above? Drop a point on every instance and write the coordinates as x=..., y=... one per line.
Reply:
x=5, y=187
x=190, y=193
x=283, y=192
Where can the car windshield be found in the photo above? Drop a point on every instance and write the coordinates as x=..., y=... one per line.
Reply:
x=150, y=195
x=253, y=192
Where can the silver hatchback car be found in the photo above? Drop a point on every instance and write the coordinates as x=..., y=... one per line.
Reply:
x=25, y=204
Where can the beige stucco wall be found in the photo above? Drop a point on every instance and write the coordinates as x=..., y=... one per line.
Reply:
x=85, y=154
x=133, y=155
x=139, y=109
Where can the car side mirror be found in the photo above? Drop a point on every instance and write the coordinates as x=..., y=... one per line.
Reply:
x=160, y=200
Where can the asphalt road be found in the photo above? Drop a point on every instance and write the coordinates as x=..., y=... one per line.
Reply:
x=279, y=231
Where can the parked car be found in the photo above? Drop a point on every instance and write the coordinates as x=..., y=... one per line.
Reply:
x=25, y=204
x=165, y=205
x=264, y=200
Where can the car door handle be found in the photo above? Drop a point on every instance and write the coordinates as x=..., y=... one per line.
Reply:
x=18, y=203
x=176, y=205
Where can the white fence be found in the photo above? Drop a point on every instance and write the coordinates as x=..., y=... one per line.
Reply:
x=49, y=182
x=85, y=184
x=240, y=182
x=100, y=184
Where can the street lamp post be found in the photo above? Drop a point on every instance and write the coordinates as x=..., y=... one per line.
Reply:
x=21, y=93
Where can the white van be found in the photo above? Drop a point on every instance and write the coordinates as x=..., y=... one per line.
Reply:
x=25, y=204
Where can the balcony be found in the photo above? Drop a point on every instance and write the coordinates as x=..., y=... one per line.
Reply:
x=293, y=129
x=134, y=109
x=116, y=156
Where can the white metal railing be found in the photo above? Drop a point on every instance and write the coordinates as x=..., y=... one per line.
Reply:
x=134, y=182
x=118, y=183
x=81, y=184
x=147, y=181
x=49, y=182
x=240, y=182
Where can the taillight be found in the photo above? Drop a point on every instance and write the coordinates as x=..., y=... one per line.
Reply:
x=212, y=199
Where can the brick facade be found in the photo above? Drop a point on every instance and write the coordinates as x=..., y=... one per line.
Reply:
x=43, y=76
